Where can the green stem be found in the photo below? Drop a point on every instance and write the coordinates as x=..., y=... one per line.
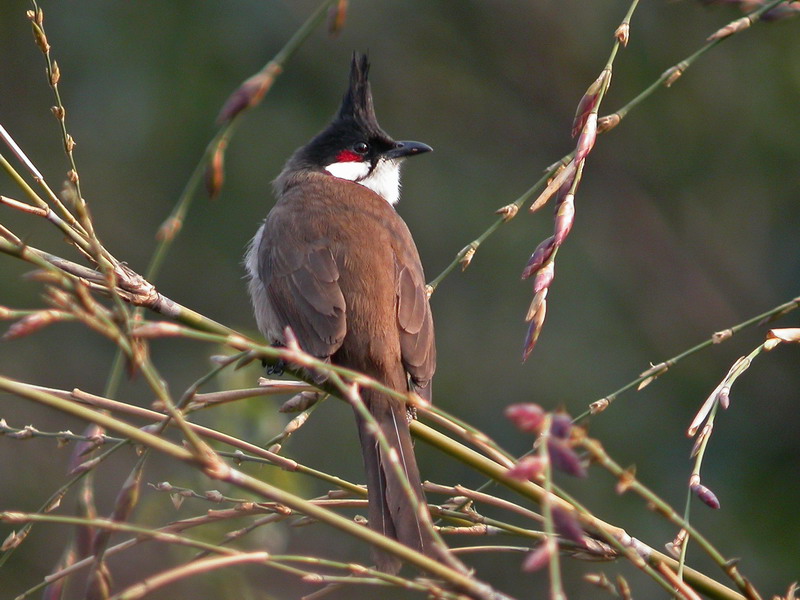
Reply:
x=114, y=526
x=530, y=490
x=779, y=310
x=664, y=509
x=621, y=113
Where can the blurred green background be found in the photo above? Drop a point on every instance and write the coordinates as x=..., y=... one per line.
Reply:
x=687, y=223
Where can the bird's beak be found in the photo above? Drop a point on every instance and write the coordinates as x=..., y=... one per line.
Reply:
x=406, y=149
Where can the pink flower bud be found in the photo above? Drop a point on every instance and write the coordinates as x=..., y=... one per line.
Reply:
x=561, y=425
x=540, y=558
x=215, y=171
x=729, y=29
x=564, y=458
x=169, y=229
x=534, y=329
x=567, y=526
x=540, y=256
x=705, y=495
x=250, y=93
x=565, y=217
x=782, y=11
x=608, y=122
x=337, y=15
x=588, y=103
x=527, y=469
x=586, y=139
x=508, y=212
x=544, y=277
x=724, y=397
x=566, y=187
x=623, y=34
x=33, y=323
x=527, y=417
x=536, y=304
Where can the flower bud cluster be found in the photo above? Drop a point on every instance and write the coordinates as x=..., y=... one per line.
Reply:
x=541, y=265
x=560, y=439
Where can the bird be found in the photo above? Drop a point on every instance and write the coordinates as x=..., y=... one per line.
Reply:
x=335, y=263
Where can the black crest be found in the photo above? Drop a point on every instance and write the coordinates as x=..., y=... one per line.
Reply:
x=354, y=122
x=357, y=102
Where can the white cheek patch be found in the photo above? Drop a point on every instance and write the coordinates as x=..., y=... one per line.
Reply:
x=385, y=180
x=350, y=170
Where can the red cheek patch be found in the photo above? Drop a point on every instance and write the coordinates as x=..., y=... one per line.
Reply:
x=347, y=156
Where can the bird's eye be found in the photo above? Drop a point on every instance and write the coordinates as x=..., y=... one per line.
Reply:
x=361, y=147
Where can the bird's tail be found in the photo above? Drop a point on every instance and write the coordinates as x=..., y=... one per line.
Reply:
x=392, y=510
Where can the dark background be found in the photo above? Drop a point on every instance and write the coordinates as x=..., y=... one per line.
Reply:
x=687, y=223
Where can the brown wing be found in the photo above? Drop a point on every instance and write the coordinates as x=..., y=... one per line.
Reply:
x=417, y=344
x=302, y=285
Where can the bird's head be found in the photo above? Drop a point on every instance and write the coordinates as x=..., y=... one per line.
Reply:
x=354, y=147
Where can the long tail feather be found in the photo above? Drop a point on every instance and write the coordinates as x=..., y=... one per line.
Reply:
x=391, y=509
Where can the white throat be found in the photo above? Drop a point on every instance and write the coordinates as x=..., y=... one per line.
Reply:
x=383, y=179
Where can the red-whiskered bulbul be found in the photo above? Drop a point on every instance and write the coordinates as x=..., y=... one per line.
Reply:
x=334, y=262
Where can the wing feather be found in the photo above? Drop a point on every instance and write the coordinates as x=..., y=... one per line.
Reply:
x=302, y=283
